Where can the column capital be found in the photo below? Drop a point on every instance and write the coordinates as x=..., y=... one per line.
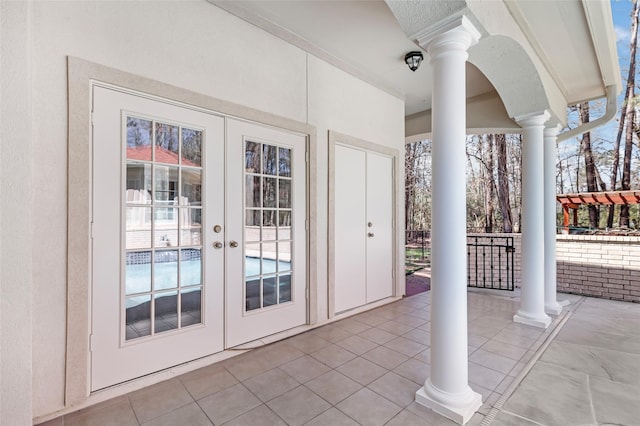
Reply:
x=455, y=30
x=533, y=119
x=552, y=131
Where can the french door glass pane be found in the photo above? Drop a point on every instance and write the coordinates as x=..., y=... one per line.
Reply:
x=166, y=143
x=138, y=227
x=163, y=227
x=190, y=227
x=284, y=193
x=285, y=288
x=139, y=139
x=268, y=203
x=165, y=269
x=252, y=191
x=191, y=187
x=269, y=291
x=166, y=311
x=138, y=183
x=252, y=157
x=166, y=185
x=252, y=225
x=252, y=294
x=138, y=316
x=284, y=165
x=191, y=306
x=269, y=257
x=191, y=147
x=190, y=267
x=138, y=272
x=269, y=159
x=269, y=191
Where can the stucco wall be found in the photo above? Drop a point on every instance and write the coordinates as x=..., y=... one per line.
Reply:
x=601, y=266
x=189, y=44
x=16, y=217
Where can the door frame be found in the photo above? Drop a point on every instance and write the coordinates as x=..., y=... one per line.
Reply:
x=82, y=75
x=397, y=265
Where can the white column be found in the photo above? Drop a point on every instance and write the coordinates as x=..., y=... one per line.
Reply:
x=532, y=298
x=447, y=391
x=551, y=305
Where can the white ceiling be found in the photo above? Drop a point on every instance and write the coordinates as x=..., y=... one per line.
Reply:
x=365, y=35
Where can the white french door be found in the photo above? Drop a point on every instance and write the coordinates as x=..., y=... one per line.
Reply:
x=198, y=234
x=157, y=279
x=266, y=261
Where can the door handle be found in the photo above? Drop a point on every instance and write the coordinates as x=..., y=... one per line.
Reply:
x=217, y=245
x=233, y=244
x=370, y=234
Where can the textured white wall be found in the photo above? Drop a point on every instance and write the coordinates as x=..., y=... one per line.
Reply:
x=192, y=45
x=15, y=214
x=343, y=104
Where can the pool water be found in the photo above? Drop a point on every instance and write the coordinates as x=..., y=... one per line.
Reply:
x=138, y=276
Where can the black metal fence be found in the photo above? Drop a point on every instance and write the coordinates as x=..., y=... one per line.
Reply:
x=418, y=239
x=490, y=262
x=417, y=249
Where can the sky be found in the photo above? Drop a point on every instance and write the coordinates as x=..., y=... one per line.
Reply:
x=621, y=10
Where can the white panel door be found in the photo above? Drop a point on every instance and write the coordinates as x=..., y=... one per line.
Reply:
x=266, y=270
x=363, y=232
x=350, y=203
x=379, y=226
x=157, y=195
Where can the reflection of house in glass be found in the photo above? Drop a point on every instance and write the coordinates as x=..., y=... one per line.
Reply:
x=163, y=198
x=154, y=189
x=268, y=209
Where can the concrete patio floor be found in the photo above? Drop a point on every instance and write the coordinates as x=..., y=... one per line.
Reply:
x=364, y=370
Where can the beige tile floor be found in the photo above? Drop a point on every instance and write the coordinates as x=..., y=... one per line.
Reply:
x=365, y=370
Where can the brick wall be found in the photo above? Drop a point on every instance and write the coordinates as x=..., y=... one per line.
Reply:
x=600, y=266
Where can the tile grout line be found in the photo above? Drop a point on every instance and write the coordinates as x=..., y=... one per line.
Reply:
x=593, y=409
x=566, y=315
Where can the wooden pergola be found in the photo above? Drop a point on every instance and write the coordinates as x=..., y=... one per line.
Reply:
x=573, y=201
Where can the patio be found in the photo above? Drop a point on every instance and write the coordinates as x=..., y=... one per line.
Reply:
x=584, y=369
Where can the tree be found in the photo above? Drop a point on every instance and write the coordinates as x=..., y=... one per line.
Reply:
x=503, y=183
x=590, y=166
x=417, y=185
x=489, y=184
x=627, y=117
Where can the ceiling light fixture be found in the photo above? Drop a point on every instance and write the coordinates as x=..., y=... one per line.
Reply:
x=413, y=60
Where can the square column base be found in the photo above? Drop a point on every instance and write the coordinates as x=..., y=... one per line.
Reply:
x=540, y=322
x=460, y=415
x=554, y=309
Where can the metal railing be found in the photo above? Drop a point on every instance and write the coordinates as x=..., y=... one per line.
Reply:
x=417, y=239
x=490, y=262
